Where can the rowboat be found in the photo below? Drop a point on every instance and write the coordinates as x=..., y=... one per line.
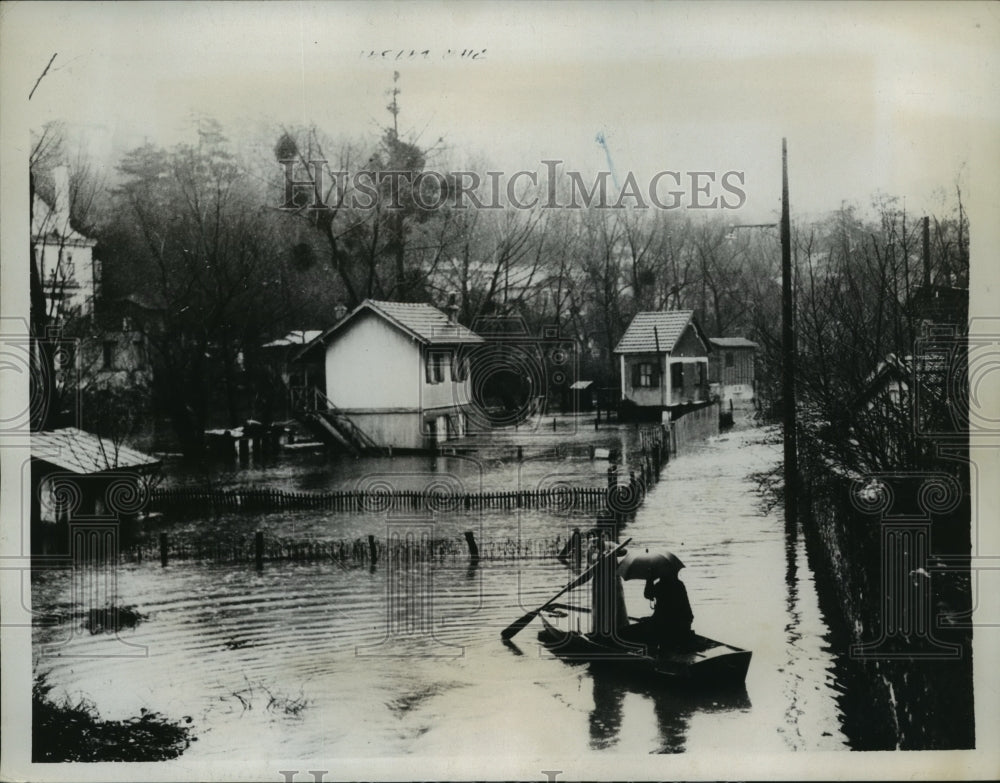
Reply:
x=705, y=662
x=702, y=661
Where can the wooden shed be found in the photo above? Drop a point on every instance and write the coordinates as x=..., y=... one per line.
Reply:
x=731, y=368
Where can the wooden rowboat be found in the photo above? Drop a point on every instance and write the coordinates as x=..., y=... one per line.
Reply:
x=706, y=663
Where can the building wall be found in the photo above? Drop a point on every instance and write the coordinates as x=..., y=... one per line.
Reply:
x=446, y=393
x=409, y=429
x=398, y=429
x=668, y=393
x=693, y=386
x=651, y=396
x=119, y=359
x=373, y=365
x=736, y=381
x=67, y=270
x=689, y=344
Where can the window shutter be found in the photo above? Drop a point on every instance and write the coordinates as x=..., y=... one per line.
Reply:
x=636, y=375
x=428, y=368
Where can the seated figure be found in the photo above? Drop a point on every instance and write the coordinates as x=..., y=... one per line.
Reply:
x=669, y=627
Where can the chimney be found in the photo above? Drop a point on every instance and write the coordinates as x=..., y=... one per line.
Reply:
x=452, y=309
x=60, y=210
x=339, y=311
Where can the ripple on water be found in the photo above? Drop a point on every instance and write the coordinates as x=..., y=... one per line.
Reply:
x=420, y=669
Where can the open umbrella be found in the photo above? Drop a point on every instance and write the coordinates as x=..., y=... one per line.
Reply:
x=649, y=565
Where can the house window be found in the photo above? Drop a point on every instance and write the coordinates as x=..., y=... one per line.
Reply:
x=645, y=375
x=460, y=368
x=730, y=360
x=436, y=361
x=108, y=355
x=139, y=351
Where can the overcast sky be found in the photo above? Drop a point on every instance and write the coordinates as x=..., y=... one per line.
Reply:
x=894, y=97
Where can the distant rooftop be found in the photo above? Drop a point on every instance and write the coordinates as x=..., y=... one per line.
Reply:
x=294, y=337
x=641, y=335
x=84, y=453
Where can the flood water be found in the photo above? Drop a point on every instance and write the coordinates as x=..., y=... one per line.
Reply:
x=318, y=660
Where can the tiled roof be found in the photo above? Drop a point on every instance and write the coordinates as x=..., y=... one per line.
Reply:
x=85, y=453
x=640, y=337
x=732, y=342
x=425, y=321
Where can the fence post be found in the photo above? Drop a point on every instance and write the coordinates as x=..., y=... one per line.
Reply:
x=258, y=549
x=470, y=539
x=163, y=549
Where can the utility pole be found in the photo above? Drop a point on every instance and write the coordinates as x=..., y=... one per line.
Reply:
x=788, y=350
x=659, y=369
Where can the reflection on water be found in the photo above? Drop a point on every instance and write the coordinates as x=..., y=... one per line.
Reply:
x=672, y=709
x=320, y=659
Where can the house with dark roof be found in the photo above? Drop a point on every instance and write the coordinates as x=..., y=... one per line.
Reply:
x=663, y=361
x=397, y=374
x=731, y=373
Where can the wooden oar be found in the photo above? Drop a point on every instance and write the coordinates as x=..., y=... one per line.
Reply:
x=518, y=625
x=583, y=609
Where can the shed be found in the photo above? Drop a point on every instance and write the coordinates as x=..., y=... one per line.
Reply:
x=76, y=474
x=731, y=368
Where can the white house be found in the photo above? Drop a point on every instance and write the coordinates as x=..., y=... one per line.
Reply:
x=397, y=372
x=663, y=360
x=70, y=276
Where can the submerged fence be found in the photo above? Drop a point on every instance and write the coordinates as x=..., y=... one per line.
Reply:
x=698, y=425
x=258, y=499
x=610, y=504
x=260, y=547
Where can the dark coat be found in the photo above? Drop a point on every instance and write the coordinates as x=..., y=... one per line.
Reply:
x=672, y=615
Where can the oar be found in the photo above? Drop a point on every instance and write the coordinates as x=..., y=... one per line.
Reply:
x=583, y=609
x=518, y=625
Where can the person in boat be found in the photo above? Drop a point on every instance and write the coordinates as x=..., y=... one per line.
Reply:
x=669, y=627
x=672, y=615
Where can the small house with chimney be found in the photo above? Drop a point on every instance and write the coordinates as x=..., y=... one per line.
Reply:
x=397, y=376
x=663, y=361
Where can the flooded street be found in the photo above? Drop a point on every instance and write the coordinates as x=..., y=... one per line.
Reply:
x=320, y=660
